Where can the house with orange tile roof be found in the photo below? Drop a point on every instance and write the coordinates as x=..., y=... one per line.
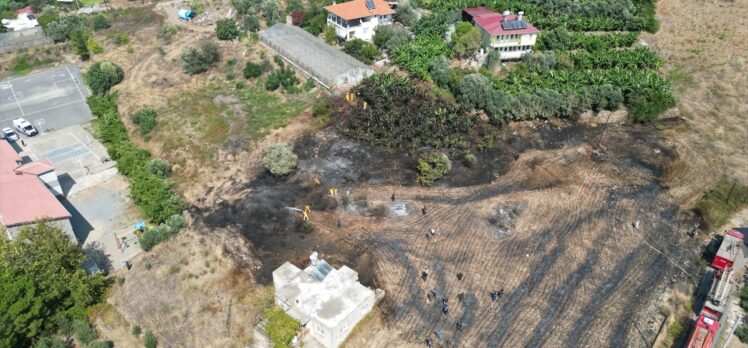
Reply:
x=357, y=19
x=27, y=193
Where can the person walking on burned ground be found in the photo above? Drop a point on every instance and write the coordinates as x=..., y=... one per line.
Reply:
x=429, y=342
x=438, y=334
x=425, y=274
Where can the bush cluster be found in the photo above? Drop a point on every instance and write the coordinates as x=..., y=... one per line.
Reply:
x=226, y=29
x=390, y=37
x=157, y=234
x=153, y=193
x=280, y=327
x=199, y=59
x=282, y=77
x=401, y=113
x=432, y=167
x=361, y=50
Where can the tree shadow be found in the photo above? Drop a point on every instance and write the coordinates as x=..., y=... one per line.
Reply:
x=96, y=258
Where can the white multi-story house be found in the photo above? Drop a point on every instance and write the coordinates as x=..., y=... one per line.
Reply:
x=357, y=19
x=328, y=302
x=510, y=34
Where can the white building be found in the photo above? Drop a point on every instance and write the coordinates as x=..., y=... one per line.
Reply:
x=510, y=34
x=25, y=19
x=357, y=19
x=328, y=302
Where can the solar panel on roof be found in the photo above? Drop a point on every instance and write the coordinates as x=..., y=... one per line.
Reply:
x=506, y=25
x=522, y=24
x=320, y=270
x=513, y=25
x=370, y=4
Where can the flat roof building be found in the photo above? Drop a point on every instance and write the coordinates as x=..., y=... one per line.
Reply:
x=328, y=302
x=27, y=193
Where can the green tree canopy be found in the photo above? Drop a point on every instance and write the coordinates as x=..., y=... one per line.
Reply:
x=102, y=76
x=41, y=283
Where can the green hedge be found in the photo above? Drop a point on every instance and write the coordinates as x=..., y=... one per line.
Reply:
x=152, y=192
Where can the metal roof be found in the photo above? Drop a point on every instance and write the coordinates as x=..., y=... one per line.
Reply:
x=320, y=270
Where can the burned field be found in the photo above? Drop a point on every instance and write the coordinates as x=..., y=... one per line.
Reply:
x=582, y=239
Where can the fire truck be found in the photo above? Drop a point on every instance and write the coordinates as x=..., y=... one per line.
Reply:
x=722, y=272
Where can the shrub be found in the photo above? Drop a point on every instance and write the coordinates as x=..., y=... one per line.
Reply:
x=742, y=333
x=294, y=6
x=79, y=41
x=543, y=61
x=406, y=14
x=475, y=91
x=122, y=39
x=100, y=22
x=280, y=159
x=167, y=32
x=149, y=340
x=433, y=167
x=361, y=50
x=102, y=76
x=48, y=15
x=309, y=84
x=244, y=7
x=278, y=61
x=226, y=29
x=93, y=46
x=84, y=333
x=136, y=330
x=322, y=108
x=440, y=71
x=251, y=24
x=145, y=120
x=330, y=35
x=280, y=327
x=159, y=167
x=200, y=59
x=390, y=37
x=252, y=70
x=282, y=77
x=100, y=344
x=493, y=59
x=50, y=342
x=157, y=234
x=470, y=160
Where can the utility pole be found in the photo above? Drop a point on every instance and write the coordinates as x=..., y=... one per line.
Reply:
x=607, y=119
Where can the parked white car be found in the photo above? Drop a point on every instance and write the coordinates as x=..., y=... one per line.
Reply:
x=8, y=133
x=24, y=126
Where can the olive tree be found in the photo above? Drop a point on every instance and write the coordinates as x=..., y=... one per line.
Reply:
x=280, y=159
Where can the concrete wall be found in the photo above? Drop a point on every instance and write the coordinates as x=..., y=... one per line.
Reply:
x=64, y=224
x=19, y=40
x=352, y=77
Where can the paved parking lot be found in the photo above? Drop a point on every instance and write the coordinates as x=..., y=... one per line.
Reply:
x=50, y=100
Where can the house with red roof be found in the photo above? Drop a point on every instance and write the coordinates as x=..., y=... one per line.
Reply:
x=28, y=193
x=511, y=35
x=357, y=19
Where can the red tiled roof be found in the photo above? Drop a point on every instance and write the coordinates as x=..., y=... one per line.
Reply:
x=491, y=22
x=24, y=198
x=26, y=9
x=357, y=9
